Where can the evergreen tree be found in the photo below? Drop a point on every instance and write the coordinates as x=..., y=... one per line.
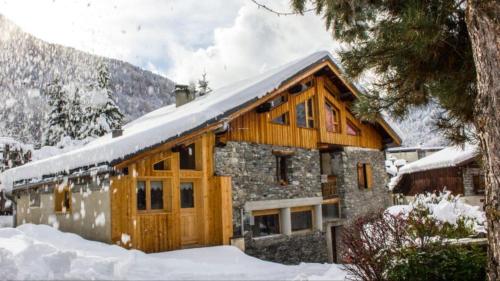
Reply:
x=75, y=113
x=429, y=50
x=101, y=117
x=203, y=87
x=57, y=125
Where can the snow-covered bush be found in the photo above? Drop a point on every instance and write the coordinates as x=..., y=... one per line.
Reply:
x=382, y=245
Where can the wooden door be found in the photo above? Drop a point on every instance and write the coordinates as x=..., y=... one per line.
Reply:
x=189, y=233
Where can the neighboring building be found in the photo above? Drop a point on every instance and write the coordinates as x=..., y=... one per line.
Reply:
x=13, y=153
x=457, y=169
x=411, y=154
x=274, y=164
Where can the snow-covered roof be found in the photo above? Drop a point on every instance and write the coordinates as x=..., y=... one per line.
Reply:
x=168, y=123
x=449, y=157
x=414, y=148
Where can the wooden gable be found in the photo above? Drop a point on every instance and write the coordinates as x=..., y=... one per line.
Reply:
x=278, y=121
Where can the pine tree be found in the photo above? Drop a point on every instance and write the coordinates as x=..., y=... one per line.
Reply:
x=57, y=125
x=102, y=117
x=429, y=50
x=203, y=87
x=75, y=113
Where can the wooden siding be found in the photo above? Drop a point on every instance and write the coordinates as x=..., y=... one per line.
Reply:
x=159, y=230
x=257, y=127
x=432, y=181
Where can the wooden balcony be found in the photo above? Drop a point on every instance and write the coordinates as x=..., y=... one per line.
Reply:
x=329, y=188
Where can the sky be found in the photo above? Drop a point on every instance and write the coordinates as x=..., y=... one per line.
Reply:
x=181, y=39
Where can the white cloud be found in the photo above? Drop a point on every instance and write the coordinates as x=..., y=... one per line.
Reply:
x=230, y=40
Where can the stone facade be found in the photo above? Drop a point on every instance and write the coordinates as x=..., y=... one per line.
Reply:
x=468, y=174
x=252, y=168
x=89, y=200
x=355, y=201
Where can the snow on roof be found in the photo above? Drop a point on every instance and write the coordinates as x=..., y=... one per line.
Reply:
x=166, y=123
x=414, y=148
x=448, y=157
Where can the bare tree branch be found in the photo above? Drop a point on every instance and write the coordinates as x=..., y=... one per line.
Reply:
x=278, y=13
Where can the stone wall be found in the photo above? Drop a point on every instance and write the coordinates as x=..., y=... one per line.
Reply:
x=294, y=249
x=89, y=201
x=355, y=201
x=252, y=168
x=468, y=174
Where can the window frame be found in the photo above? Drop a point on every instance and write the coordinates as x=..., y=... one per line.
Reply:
x=302, y=209
x=169, y=159
x=336, y=118
x=365, y=175
x=355, y=128
x=268, y=212
x=65, y=190
x=166, y=195
x=192, y=181
x=309, y=113
x=196, y=147
x=37, y=192
x=282, y=179
x=286, y=119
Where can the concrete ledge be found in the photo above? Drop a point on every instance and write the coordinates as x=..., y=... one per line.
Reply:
x=283, y=203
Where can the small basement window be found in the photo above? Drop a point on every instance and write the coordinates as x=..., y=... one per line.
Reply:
x=62, y=202
x=302, y=220
x=266, y=223
x=330, y=210
x=188, y=157
x=364, y=176
x=283, y=119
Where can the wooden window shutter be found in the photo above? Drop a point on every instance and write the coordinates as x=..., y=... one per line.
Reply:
x=369, y=177
x=361, y=176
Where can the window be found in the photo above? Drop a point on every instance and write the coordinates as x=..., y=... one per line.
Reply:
x=187, y=195
x=277, y=101
x=364, y=176
x=163, y=165
x=188, y=157
x=283, y=119
x=305, y=114
x=282, y=169
x=352, y=130
x=34, y=198
x=479, y=185
x=154, y=195
x=62, y=199
x=332, y=118
x=266, y=223
x=141, y=195
x=330, y=210
x=302, y=220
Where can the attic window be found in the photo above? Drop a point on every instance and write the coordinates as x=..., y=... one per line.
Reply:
x=352, y=130
x=305, y=114
x=277, y=101
x=283, y=119
x=163, y=165
x=188, y=157
x=332, y=118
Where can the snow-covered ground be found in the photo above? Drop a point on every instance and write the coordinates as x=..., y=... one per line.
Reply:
x=41, y=252
x=6, y=221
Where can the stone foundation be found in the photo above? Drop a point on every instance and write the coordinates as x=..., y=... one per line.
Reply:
x=307, y=247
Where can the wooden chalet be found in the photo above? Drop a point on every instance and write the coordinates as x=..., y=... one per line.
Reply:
x=247, y=161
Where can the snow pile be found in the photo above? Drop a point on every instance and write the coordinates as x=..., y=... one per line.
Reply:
x=167, y=123
x=42, y=253
x=6, y=221
x=449, y=157
x=65, y=145
x=445, y=208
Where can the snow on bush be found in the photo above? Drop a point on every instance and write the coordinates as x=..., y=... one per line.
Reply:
x=40, y=252
x=446, y=208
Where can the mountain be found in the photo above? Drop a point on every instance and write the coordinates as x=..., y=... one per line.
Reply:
x=28, y=64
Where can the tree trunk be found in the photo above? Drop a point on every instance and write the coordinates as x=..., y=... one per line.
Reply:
x=483, y=24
